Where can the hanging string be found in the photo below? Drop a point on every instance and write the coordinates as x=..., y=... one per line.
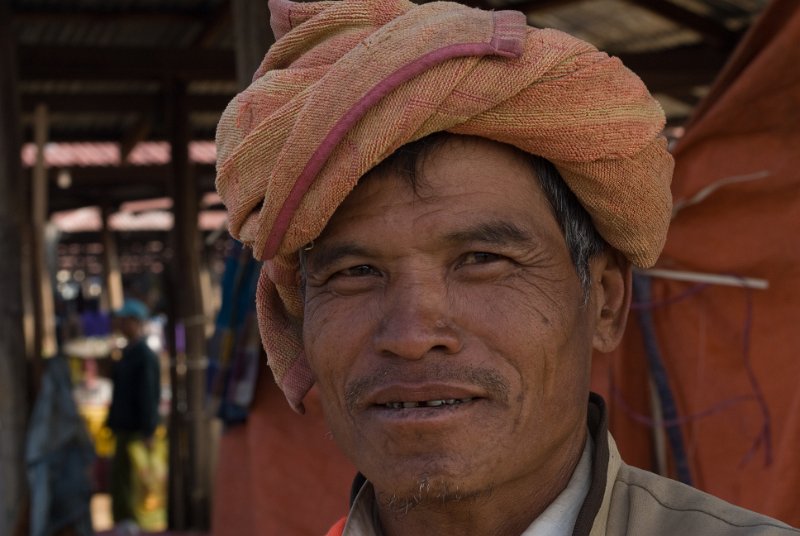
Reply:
x=646, y=305
x=765, y=437
x=678, y=421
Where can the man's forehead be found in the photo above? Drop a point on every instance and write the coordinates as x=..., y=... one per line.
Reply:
x=472, y=191
x=410, y=160
x=443, y=165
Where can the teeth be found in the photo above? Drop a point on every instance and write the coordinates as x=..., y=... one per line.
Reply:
x=427, y=403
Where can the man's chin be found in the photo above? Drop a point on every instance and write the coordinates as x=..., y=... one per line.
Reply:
x=427, y=492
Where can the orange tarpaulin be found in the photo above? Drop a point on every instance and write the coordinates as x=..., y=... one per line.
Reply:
x=731, y=354
x=280, y=473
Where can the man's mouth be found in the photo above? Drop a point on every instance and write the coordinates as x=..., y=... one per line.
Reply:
x=441, y=402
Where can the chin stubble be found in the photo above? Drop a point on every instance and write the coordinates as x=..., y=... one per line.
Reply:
x=427, y=493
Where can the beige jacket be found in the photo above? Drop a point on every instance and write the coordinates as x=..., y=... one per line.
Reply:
x=625, y=500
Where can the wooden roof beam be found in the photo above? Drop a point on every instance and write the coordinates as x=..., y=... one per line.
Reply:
x=663, y=68
x=532, y=6
x=73, y=14
x=90, y=196
x=117, y=102
x=60, y=133
x=528, y=6
x=214, y=25
x=88, y=102
x=676, y=69
x=125, y=63
x=712, y=30
x=137, y=133
x=112, y=176
x=112, y=184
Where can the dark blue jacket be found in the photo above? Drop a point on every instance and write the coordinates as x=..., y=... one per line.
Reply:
x=137, y=390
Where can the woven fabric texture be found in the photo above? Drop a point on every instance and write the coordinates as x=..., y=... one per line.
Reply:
x=349, y=82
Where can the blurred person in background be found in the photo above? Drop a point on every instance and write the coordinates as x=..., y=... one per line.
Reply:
x=133, y=415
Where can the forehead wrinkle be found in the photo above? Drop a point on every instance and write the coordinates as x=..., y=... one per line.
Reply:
x=322, y=255
x=493, y=232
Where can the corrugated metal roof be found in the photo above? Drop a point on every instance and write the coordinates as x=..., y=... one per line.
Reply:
x=616, y=26
x=159, y=23
x=108, y=154
x=89, y=219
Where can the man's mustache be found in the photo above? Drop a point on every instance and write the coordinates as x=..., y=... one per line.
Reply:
x=489, y=380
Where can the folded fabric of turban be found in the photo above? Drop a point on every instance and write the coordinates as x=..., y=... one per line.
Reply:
x=349, y=82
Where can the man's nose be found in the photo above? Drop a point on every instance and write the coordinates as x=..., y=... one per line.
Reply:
x=416, y=319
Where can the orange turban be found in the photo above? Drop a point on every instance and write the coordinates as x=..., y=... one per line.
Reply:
x=349, y=82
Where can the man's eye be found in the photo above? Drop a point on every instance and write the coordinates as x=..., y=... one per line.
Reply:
x=480, y=257
x=358, y=271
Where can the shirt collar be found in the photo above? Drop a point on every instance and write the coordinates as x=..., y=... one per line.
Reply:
x=559, y=518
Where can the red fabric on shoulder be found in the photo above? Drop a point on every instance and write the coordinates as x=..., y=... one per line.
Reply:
x=338, y=528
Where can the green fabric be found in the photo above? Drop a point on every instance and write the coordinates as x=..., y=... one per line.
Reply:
x=122, y=502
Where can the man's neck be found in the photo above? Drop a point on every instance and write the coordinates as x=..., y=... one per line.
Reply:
x=506, y=510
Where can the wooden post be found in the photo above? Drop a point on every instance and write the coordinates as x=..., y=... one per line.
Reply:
x=44, y=308
x=188, y=291
x=177, y=517
x=14, y=400
x=113, y=275
x=253, y=37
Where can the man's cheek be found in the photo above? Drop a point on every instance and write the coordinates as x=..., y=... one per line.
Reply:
x=325, y=347
x=320, y=323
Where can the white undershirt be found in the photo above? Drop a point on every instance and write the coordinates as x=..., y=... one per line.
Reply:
x=558, y=519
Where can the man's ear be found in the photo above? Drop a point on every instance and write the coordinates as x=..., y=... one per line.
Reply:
x=611, y=289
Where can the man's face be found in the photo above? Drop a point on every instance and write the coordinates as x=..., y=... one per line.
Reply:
x=128, y=326
x=447, y=330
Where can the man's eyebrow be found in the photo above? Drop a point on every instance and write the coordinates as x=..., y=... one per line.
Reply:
x=322, y=255
x=493, y=232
